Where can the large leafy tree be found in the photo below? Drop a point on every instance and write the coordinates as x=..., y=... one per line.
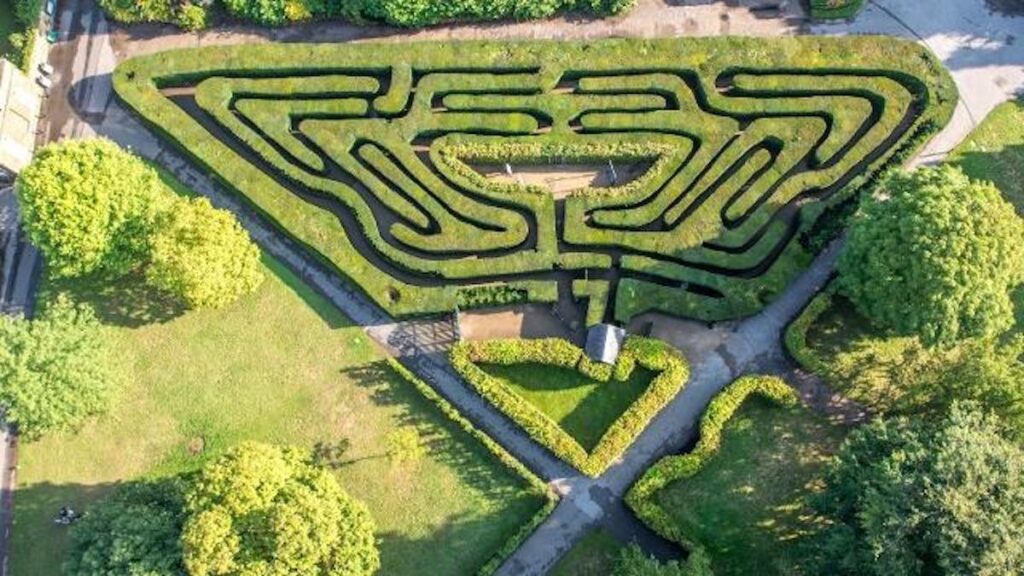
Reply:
x=910, y=498
x=134, y=532
x=201, y=255
x=260, y=509
x=632, y=561
x=55, y=371
x=935, y=255
x=89, y=206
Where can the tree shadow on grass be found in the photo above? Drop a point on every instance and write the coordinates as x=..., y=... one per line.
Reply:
x=446, y=442
x=127, y=302
x=1004, y=168
x=330, y=314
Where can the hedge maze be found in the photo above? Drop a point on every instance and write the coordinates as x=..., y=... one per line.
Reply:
x=368, y=154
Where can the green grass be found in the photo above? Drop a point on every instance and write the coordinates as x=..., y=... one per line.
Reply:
x=279, y=366
x=995, y=151
x=583, y=407
x=748, y=505
x=8, y=24
x=593, y=555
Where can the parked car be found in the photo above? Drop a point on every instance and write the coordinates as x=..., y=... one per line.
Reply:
x=51, y=7
x=45, y=82
x=45, y=69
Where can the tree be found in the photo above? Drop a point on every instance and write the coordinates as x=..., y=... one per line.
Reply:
x=203, y=256
x=260, y=509
x=134, y=532
x=935, y=255
x=910, y=498
x=55, y=371
x=89, y=205
x=632, y=561
x=404, y=445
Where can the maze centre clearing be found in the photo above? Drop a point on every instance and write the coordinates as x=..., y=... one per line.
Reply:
x=726, y=162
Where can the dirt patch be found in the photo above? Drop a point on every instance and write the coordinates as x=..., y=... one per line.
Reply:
x=519, y=321
x=563, y=179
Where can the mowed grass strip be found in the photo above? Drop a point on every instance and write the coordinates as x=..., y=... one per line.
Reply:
x=582, y=406
x=749, y=503
x=280, y=366
x=594, y=554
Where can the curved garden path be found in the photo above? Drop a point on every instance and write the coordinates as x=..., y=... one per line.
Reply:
x=976, y=45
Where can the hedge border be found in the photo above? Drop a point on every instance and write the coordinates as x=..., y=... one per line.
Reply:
x=669, y=469
x=795, y=337
x=536, y=484
x=649, y=353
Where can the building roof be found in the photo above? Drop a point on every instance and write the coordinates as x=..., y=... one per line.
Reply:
x=604, y=342
x=19, y=111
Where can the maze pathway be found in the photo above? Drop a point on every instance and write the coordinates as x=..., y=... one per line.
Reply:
x=370, y=156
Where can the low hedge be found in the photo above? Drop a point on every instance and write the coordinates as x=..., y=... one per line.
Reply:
x=536, y=484
x=648, y=353
x=641, y=497
x=795, y=337
x=835, y=9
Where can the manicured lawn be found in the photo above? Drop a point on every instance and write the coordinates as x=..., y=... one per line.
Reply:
x=279, y=366
x=583, y=407
x=593, y=555
x=749, y=504
x=995, y=151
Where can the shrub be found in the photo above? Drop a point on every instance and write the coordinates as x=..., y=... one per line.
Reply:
x=202, y=256
x=795, y=337
x=641, y=497
x=264, y=509
x=835, y=9
x=55, y=371
x=648, y=353
x=89, y=206
x=192, y=17
x=935, y=255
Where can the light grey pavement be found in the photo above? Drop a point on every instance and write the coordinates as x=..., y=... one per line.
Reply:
x=983, y=49
x=977, y=46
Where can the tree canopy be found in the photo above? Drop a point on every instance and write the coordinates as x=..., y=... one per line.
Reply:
x=632, y=561
x=260, y=509
x=134, y=532
x=911, y=498
x=89, y=205
x=936, y=255
x=92, y=207
x=55, y=371
x=201, y=255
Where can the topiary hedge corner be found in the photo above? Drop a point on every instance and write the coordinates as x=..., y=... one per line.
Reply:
x=648, y=353
x=641, y=497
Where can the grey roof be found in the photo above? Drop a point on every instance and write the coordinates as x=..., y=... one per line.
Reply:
x=604, y=342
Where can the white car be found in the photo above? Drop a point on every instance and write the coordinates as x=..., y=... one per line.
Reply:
x=44, y=81
x=45, y=69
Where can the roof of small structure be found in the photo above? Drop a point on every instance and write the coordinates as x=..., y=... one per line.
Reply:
x=604, y=341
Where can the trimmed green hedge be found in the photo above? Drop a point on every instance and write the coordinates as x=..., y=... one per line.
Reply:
x=649, y=353
x=423, y=231
x=796, y=333
x=641, y=497
x=835, y=9
x=510, y=461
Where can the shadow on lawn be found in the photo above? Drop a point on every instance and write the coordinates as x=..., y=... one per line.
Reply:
x=446, y=442
x=126, y=302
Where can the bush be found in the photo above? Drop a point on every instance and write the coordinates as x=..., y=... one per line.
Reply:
x=192, y=17
x=55, y=371
x=642, y=496
x=89, y=206
x=263, y=509
x=835, y=9
x=935, y=255
x=648, y=353
x=202, y=256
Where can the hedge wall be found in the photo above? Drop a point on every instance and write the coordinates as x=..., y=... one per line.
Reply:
x=649, y=353
x=641, y=497
x=835, y=9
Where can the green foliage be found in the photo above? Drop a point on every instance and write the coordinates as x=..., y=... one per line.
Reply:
x=132, y=11
x=510, y=461
x=56, y=370
x=192, y=17
x=912, y=498
x=491, y=295
x=936, y=256
x=835, y=9
x=263, y=509
x=404, y=445
x=795, y=337
x=641, y=497
x=202, y=255
x=134, y=532
x=89, y=206
x=477, y=231
x=632, y=561
x=647, y=353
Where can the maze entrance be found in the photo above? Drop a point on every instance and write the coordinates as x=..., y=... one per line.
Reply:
x=389, y=161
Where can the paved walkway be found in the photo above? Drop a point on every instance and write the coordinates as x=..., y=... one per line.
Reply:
x=977, y=46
